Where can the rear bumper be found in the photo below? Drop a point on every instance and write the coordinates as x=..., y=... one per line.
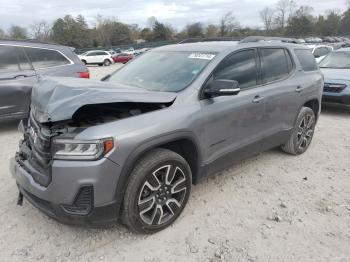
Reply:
x=61, y=198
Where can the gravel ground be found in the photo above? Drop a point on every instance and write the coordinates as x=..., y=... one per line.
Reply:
x=272, y=207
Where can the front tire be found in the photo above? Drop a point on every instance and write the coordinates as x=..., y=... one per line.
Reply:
x=157, y=192
x=303, y=132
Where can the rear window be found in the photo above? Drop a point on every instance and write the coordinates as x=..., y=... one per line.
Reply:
x=44, y=58
x=306, y=59
x=276, y=64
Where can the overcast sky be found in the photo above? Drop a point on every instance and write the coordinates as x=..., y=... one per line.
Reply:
x=176, y=12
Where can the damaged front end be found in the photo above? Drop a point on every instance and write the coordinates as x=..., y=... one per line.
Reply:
x=62, y=108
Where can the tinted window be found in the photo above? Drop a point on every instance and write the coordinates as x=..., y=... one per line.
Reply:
x=8, y=58
x=306, y=59
x=92, y=54
x=43, y=58
x=241, y=67
x=275, y=64
x=101, y=53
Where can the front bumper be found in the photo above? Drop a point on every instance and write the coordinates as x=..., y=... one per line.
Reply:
x=68, y=179
x=343, y=99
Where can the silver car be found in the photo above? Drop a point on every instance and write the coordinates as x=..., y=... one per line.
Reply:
x=131, y=147
x=21, y=62
x=336, y=70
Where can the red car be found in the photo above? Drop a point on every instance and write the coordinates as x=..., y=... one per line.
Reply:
x=122, y=58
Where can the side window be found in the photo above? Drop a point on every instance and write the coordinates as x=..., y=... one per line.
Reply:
x=241, y=67
x=44, y=58
x=276, y=64
x=101, y=53
x=8, y=59
x=91, y=54
x=22, y=59
x=306, y=59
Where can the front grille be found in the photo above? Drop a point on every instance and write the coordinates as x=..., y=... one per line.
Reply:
x=35, y=152
x=83, y=203
x=333, y=88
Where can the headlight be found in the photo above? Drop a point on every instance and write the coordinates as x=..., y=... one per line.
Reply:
x=70, y=149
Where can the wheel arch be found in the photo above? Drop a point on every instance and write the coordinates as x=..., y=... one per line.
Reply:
x=183, y=143
x=314, y=104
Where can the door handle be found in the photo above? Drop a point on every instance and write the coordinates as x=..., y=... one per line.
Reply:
x=298, y=89
x=257, y=99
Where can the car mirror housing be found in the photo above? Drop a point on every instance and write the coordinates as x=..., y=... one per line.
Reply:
x=222, y=87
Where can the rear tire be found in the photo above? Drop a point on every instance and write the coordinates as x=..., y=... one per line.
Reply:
x=157, y=192
x=302, y=134
x=107, y=62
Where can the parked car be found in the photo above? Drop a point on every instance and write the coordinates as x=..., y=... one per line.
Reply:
x=21, y=62
x=336, y=70
x=123, y=58
x=130, y=51
x=320, y=51
x=131, y=147
x=97, y=57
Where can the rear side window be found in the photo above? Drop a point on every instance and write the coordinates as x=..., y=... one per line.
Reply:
x=306, y=59
x=241, y=67
x=44, y=58
x=276, y=64
x=8, y=59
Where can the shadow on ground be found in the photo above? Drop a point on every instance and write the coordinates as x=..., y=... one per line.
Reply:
x=11, y=125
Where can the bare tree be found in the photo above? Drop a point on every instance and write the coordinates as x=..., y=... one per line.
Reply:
x=40, y=30
x=228, y=24
x=2, y=34
x=284, y=8
x=267, y=15
x=211, y=31
x=17, y=32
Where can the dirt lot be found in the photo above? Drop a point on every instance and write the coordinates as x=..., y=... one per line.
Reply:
x=273, y=207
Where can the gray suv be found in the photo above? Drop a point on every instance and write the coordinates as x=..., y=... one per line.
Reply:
x=21, y=62
x=131, y=147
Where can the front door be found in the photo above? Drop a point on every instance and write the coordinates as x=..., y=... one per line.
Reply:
x=233, y=124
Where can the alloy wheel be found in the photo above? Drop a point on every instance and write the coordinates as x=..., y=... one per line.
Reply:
x=162, y=195
x=305, y=131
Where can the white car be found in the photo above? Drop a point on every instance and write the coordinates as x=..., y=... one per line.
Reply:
x=130, y=51
x=320, y=51
x=97, y=57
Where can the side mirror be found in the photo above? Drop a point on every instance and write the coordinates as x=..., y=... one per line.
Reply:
x=222, y=87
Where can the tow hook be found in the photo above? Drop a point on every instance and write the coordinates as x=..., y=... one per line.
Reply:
x=20, y=199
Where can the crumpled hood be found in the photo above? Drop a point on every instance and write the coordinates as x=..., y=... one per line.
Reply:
x=336, y=74
x=58, y=98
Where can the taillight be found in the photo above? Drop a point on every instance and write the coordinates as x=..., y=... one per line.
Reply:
x=85, y=74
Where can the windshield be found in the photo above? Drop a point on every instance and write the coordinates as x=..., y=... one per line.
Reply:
x=336, y=60
x=163, y=71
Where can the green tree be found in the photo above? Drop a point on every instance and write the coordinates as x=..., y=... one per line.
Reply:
x=319, y=26
x=17, y=32
x=301, y=23
x=147, y=34
x=112, y=32
x=162, y=32
x=332, y=24
x=345, y=23
x=195, y=30
x=71, y=32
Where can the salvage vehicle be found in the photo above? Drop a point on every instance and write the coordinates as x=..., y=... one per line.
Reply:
x=97, y=57
x=336, y=70
x=20, y=64
x=130, y=147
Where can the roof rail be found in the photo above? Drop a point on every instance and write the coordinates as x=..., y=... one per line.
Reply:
x=209, y=39
x=35, y=41
x=251, y=39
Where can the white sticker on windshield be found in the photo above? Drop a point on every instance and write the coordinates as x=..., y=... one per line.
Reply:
x=204, y=56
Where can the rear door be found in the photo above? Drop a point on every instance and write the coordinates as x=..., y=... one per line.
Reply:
x=16, y=80
x=280, y=92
